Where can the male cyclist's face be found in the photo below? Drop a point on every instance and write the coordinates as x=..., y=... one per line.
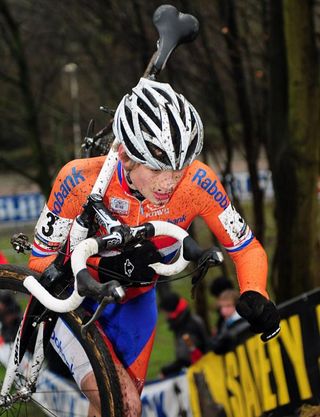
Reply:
x=155, y=186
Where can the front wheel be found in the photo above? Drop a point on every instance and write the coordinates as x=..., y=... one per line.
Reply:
x=56, y=393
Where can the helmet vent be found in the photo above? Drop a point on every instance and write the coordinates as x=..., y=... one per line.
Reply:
x=150, y=97
x=158, y=153
x=192, y=148
x=131, y=148
x=129, y=118
x=145, y=127
x=182, y=110
x=175, y=135
x=148, y=112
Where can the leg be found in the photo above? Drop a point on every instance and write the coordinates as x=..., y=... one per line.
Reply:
x=89, y=386
x=130, y=395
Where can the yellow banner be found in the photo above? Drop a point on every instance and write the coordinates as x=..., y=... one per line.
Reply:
x=255, y=377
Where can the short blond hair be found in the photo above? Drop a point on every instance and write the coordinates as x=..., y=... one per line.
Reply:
x=229, y=295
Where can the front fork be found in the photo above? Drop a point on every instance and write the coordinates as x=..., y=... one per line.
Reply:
x=33, y=320
x=13, y=364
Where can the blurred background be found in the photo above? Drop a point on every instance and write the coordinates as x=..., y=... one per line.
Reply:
x=252, y=73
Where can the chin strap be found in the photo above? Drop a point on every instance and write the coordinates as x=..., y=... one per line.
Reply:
x=133, y=190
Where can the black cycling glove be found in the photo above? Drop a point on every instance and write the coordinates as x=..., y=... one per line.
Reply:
x=261, y=313
x=132, y=265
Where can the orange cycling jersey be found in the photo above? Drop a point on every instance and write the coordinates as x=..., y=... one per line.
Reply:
x=199, y=193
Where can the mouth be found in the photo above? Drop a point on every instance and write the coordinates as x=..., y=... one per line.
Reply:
x=162, y=196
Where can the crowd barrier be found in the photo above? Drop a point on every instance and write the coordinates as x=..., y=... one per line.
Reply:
x=254, y=379
x=167, y=397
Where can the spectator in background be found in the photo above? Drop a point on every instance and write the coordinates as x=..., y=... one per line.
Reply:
x=190, y=334
x=226, y=337
x=3, y=259
x=217, y=286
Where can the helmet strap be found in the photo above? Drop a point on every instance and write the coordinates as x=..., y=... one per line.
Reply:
x=128, y=178
x=132, y=188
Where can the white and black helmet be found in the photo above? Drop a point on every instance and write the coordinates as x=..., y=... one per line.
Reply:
x=158, y=127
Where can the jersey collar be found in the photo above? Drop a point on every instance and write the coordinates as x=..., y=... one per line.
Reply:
x=122, y=178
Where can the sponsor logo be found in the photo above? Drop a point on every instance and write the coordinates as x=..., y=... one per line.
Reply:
x=155, y=212
x=59, y=347
x=69, y=183
x=120, y=206
x=128, y=268
x=178, y=219
x=211, y=187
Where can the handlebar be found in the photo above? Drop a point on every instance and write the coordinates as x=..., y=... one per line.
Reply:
x=85, y=285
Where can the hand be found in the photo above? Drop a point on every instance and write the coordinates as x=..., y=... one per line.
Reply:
x=261, y=313
x=133, y=264
x=53, y=274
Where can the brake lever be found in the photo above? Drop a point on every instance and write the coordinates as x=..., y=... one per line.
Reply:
x=211, y=257
x=84, y=327
x=113, y=293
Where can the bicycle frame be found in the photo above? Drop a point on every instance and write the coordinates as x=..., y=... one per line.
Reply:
x=68, y=400
x=14, y=363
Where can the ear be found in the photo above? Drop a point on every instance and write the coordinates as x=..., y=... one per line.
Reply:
x=127, y=163
x=122, y=153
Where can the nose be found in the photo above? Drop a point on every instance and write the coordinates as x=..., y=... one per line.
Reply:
x=167, y=181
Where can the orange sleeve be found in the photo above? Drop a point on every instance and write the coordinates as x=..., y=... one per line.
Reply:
x=230, y=228
x=40, y=264
x=252, y=268
x=70, y=190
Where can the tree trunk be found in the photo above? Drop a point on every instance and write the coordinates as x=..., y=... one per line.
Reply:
x=294, y=147
x=250, y=141
x=16, y=47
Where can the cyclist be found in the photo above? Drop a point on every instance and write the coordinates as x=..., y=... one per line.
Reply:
x=157, y=178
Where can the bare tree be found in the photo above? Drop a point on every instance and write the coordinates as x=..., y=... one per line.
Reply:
x=294, y=145
x=12, y=37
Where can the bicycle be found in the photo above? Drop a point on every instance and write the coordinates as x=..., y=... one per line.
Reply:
x=19, y=280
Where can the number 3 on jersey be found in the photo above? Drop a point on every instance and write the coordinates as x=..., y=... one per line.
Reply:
x=52, y=230
x=48, y=230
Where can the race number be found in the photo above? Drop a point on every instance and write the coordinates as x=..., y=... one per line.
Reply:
x=51, y=229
